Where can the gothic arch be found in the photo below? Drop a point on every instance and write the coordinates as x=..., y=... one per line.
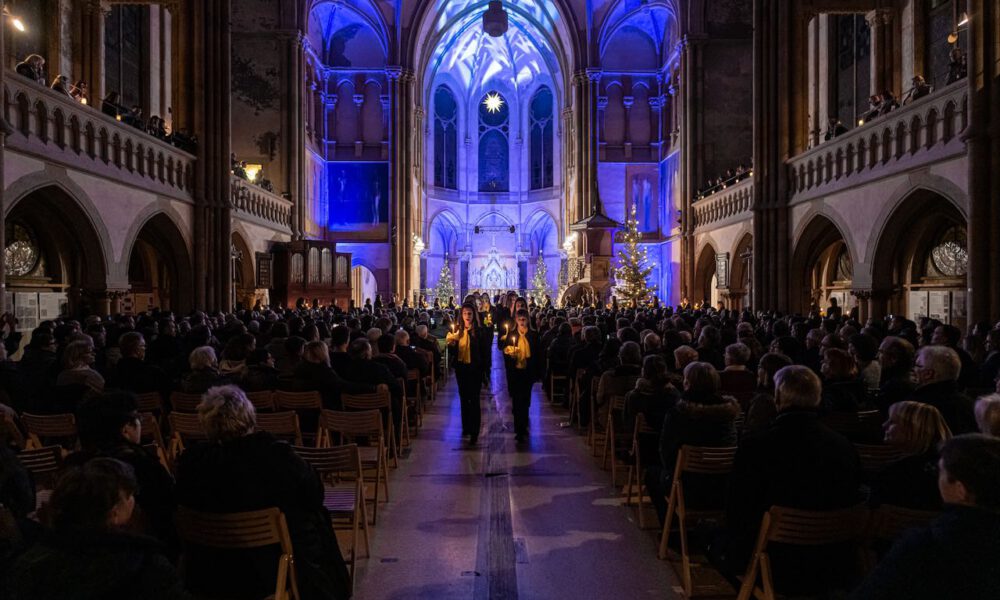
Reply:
x=818, y=244
x=158, y=258
x=704, y=273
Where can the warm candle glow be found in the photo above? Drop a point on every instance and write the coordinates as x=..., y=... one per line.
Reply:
x=18, y=24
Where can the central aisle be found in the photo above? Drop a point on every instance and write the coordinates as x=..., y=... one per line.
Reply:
x=537, y=521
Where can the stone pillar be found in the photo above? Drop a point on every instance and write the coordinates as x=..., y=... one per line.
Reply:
x=586, y=84
x=656, y=123
x=295, y=84
x=628, y=102
x=384, y=99
x=91, y=49
x=330, y=118
x=982, y=139
x=781, y=128
x=882, y=54
x=359, y=142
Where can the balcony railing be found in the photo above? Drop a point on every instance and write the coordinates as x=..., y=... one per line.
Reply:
x=253, y=202
x=731, y=204
x=56, y=128
x=923, y=132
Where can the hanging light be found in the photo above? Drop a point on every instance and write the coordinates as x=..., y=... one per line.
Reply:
x=495, y=19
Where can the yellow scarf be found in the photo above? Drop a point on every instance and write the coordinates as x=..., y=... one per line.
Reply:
x=523, y=351
x=464, y=347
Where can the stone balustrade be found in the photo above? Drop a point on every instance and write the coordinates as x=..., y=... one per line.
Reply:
x=734, y=203
x=254, y=202
x=56, y=128
x=922, y=132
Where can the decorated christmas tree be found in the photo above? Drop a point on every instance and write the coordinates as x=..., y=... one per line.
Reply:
x=445, y=286
x=540, y=282
x=633, y=268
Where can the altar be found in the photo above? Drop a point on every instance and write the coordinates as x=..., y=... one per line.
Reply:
x=493, y=272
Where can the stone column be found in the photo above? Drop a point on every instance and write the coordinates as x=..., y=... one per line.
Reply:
x=628, y=102
x=384, y=98
x=656, y=123
x=882, y=55
x=586, y=84
x=91, y=49
x=359, y=142
x=982, y=138
x=330, y=118
x=781, y=127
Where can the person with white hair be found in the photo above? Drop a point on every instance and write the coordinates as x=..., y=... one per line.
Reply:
x=988, y=414
x=241, y=469
x=937, y=370
x=204, y=371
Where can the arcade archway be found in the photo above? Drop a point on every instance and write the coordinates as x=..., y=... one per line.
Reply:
x=822, y=268
x=159, y=268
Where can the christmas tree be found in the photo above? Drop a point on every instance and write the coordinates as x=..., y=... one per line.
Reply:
x=540, y=282
x=633, y=267
x=445, y=286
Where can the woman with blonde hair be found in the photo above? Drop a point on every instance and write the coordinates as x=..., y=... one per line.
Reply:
x=915, y=430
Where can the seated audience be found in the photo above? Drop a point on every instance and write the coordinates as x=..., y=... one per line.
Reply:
x=131, y=372
x=204, y=372
x=762, y=409
x=958, y=554
x=915, y=430
x=652, y=396
x=315, y=374
x=896, y=380
x=937, y=369
x=864, y=351
x=109, y=427
x=241, y=469
x=737, y=380
x=987, y=411
x=88, y=551
x=702, y=417
x=261, y=374
x=842, y=391
x=798, y=462
x=619, y=380
x=79, y=359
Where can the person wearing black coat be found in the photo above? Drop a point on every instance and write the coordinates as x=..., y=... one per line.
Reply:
x=239, y=469
x=797, y=462
x=896, y=381
x=88, y=554
x=702, y=417
x=523, y=364
x=937, y=369
x=957, y=555
x=470, y=344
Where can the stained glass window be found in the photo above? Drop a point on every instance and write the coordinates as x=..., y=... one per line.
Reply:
x=541, y=139
x=494, y=158
x=21, y=254
x=950, y=257
x=445, y=139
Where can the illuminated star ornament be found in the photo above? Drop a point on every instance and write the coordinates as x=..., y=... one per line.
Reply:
x=493, y=102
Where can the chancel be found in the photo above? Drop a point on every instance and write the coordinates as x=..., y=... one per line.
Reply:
x=424, y=299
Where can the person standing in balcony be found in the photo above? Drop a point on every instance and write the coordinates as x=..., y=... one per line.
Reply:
x=111, y=105
x=835, y=129
x=958, y=68
x=32, y=68
x=79, y=92
x=61, y=85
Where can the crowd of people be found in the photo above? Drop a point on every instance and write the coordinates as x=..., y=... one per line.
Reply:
x=239, y=168
x=767, y=383
x=730, y=177
x=33, y=67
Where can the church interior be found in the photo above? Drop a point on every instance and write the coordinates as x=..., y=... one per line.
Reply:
x=828, y=166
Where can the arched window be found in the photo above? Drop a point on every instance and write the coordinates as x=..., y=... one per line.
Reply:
x=541, y=139
x=494, y=158
x=445, y=139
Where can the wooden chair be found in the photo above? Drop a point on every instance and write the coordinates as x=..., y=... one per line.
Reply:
x=150, y=428
x=282, y=425
x=576, y=398
x=875, y=457
x=798, y=528
x=404, y=421
x=612, y=438
x=150, y=402
x=349, y=426
x=557, y=388
x=161, y=454
x=184, y=402
x=692, y=459
x=887, y=523
x=864, y=425
x=417, y=398
x=636, y=473
x=43, y=428
x=592, y=432
x=307, y=404
x=185, y=428
x=244, y=530
x=430, y=380
x=335, y=466
x=262, y=401
x=43, y=463
x=383, y=402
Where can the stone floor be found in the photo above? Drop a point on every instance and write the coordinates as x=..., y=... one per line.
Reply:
x=505, y=521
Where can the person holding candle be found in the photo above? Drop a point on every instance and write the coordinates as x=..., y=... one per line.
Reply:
x=522, y=362
x=469, y=342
